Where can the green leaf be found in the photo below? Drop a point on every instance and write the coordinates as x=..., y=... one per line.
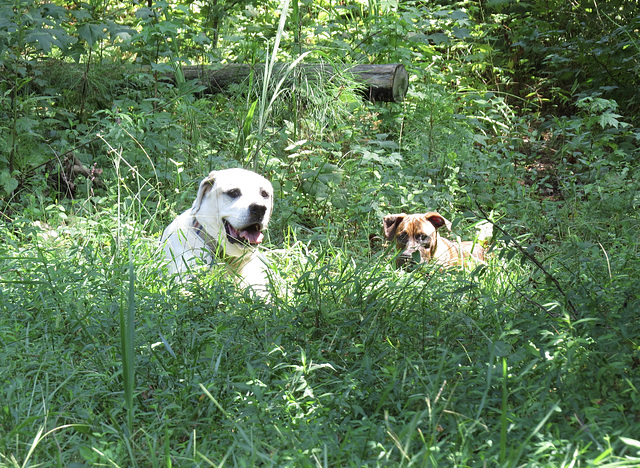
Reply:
x=8, y=183
x=611, y=119
x=459, y=15
x=438, y=38
x=248, y=121
x=43, y=39
x=92, y=33
x=501, y=348
x=461, y=33
x=631, y=442
x=26, y=125
x=80, y=14
x=54, y=11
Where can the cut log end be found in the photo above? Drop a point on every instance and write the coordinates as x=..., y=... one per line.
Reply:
x=388, y=83
x=400, y=84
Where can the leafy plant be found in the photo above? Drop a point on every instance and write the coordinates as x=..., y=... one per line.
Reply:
x=529, y=359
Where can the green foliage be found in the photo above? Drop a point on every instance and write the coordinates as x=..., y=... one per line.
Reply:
x=545, y=49
x=529, y=360
x=359, y=362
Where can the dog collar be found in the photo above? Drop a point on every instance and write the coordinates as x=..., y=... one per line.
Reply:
x=209, y=241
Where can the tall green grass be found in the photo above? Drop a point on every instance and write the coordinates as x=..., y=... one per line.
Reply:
x=127, y=317
x=528, y=361
x=352, y=362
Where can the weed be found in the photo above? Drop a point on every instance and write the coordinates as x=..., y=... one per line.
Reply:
x=530, y=359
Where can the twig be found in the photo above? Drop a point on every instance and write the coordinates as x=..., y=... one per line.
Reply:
x=527, y=298
x=534, y=260
x=60, y=157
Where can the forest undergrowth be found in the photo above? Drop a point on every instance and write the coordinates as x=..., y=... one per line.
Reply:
x=530, y=360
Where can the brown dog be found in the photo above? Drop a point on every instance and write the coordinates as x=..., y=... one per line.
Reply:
x=418, y=233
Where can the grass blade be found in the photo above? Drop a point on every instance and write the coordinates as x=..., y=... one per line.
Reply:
x=127, y=340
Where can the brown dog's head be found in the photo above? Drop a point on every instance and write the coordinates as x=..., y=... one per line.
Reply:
x=414, y=233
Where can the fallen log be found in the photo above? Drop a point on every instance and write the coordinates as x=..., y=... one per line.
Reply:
x=388, y=82
x=381, y=83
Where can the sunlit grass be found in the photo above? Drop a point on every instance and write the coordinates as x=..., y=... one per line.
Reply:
x=529, y=360
x=351, y=361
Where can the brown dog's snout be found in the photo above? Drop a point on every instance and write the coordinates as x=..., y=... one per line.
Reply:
x=405, y=259
x=412, y=255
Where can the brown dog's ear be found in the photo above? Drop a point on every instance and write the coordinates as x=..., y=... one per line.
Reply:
x=390, y=223
x=437, y=220
x=205, y=186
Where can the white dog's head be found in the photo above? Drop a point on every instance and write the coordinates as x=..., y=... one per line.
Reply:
x=234, y=206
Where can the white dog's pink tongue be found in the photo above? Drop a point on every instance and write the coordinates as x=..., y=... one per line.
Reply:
x=254, y=237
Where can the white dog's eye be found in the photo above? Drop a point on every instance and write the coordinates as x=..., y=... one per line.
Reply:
x=264, y=193
x=233, y=193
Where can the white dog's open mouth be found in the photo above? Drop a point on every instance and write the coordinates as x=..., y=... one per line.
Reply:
x=251, y=234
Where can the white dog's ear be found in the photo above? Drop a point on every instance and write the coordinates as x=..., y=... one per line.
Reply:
x=205, y=186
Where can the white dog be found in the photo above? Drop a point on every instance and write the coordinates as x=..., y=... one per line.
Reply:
x=224, y=224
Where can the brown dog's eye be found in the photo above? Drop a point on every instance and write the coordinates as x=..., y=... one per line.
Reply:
x=403, y=238
x=424, y=240
x=233, y=193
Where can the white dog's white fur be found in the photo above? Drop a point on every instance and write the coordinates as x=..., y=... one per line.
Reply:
x=224, y=224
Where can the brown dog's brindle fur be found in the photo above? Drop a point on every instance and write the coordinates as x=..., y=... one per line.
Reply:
x=419, y=233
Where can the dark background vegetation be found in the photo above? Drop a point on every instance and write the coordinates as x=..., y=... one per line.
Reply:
x=522, y=112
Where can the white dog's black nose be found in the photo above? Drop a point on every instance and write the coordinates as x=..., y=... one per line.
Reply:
x=257, y=211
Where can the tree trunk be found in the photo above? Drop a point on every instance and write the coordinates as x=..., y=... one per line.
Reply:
x=388, y=83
